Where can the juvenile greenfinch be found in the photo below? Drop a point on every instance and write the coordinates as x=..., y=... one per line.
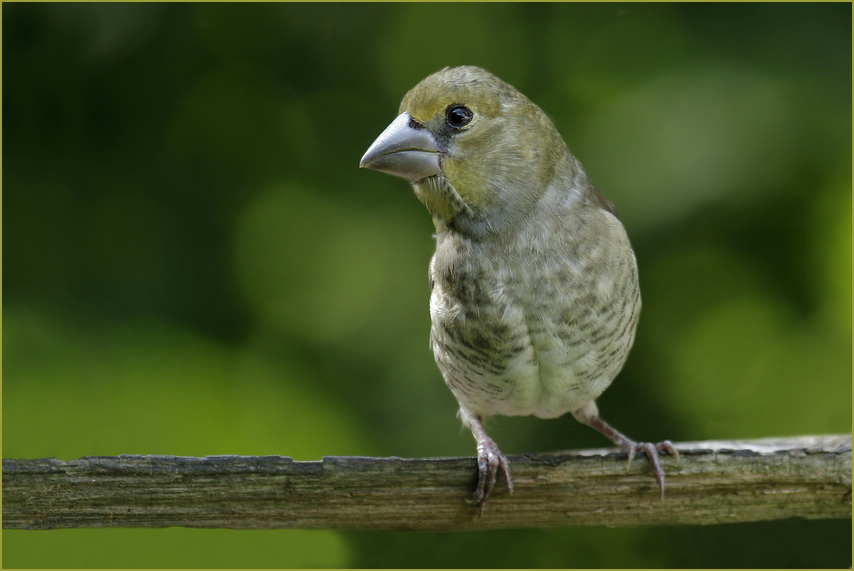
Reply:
x=535, y=295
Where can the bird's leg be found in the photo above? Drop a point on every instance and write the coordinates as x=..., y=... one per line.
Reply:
x=490, y=460
x=589, y=415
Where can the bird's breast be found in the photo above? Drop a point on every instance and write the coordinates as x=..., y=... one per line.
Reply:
x=529, y=334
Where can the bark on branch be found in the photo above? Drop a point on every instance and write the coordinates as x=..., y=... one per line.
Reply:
x=715, y=482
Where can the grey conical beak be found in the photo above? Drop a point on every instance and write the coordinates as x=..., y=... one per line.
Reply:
x=404, y=150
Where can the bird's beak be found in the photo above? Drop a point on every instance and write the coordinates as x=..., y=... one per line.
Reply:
x=404, y=150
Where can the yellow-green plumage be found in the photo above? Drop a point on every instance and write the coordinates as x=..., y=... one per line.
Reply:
x=500, y=162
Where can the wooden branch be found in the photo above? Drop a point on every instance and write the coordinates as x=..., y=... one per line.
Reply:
x=715, y=482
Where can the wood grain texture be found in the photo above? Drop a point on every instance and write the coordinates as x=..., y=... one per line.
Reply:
x=715, y=482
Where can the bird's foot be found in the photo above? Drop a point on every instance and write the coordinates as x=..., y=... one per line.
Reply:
x=651, y=451
x=589, y=415
x=490, y=461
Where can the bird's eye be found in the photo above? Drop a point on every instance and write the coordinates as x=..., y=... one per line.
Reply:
x=458, y=116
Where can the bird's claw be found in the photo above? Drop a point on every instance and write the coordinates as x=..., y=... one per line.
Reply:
x=490, y=461
x=651, y=451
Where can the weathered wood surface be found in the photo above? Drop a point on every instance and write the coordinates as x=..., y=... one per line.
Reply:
x=715, y=482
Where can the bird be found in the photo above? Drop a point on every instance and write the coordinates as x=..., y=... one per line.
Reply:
x=535, y=296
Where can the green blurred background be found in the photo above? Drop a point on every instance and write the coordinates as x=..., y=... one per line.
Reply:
x=195, y=265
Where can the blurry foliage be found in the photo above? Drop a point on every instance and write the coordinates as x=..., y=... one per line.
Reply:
x=195, y=265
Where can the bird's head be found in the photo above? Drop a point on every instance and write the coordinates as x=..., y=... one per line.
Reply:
x=478, y=153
